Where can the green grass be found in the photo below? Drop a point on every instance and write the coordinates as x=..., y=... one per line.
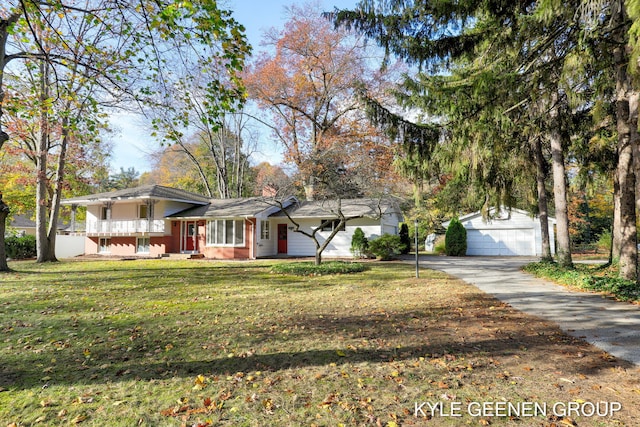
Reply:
x=588, y=277
x=172, y=343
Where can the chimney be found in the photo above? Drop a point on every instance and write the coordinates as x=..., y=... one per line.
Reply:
x=269, y=191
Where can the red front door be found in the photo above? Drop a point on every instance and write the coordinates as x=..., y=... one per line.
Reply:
x=282, y=238
x=190, y=236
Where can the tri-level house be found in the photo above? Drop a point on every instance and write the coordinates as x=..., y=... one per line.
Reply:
x=155, y=220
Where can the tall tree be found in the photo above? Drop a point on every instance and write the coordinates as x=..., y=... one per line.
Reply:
x=542, y=42
x=126, y=57
x=308, y=83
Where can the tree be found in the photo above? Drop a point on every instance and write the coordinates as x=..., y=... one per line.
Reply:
x=553, y=43
x=269, y=179
x=308, y=83
x=455, y=239
x=125, y=58
x=404, y=238
x=124, y=179
x=359, y=243
x=338, y=213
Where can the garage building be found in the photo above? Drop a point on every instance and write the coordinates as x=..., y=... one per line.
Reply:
x=509, y=232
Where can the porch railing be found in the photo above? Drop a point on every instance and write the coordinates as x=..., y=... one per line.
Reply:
x=120, y=226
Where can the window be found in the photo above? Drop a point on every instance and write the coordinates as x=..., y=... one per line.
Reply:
x=142, y=245
x=143, y=212
x=104, y=245
x=264, y=230
x=225, y=232
x=105, y=213
x=331, y=224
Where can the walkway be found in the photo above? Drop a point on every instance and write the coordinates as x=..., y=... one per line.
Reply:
x=609, y=325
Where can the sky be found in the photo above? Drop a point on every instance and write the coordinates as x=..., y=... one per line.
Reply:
x=131, y=142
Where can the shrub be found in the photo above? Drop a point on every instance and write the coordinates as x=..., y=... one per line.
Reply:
x=20, y=247
x=587, y=277
x=604, y=242
x=311, y=269
x=455, y=239
x=404, y=238
x=386, y=246
x=359, y=243
x=439, y=247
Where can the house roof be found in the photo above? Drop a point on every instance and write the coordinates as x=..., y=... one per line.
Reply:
x=143, y=192
x=365, y=207
x=502, y=214
x=24, y=221
x=226, y=208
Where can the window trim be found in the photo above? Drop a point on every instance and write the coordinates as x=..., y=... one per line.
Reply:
x=213, y=231
x=107, y=245
x=332, y=225
x=265, y=230
x=148, y=245
x=140, y=209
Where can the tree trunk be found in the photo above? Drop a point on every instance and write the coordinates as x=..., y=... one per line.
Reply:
x=559, y=187
x=543, y=214
x=42, y=246
x=626, y=177
x=57, y=194
x=4, y=212
x=615, y=226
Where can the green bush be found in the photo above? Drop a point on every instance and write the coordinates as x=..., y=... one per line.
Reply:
x=404, y=238
x=604, y=242
x=307, y=268
x=586, y=277
x=455, y=239
x=20, y=247
x=386, y=247
x=359, y=243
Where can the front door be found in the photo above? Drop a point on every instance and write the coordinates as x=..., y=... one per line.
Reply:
x=282, y=238
x=190, y=236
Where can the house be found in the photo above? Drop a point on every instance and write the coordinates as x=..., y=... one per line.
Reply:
x=375, y=217
x=507, y=232
x=156, y=220
x=22, y=225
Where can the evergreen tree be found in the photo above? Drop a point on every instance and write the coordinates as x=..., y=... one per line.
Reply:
x=404, y=238
x=455, y=239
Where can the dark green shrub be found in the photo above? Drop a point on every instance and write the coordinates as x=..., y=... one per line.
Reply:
x=20, y=247
x=404, y=238
x=386, y=247
x=359, y=243
x=455, y=239
x=311, y=269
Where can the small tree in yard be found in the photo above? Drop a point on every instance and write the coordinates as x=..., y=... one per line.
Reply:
x=404, y=238
x=386, y=247
x=455, y=239
x=359, y=243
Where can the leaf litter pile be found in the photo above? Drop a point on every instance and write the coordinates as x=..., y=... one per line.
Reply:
x=202, y=343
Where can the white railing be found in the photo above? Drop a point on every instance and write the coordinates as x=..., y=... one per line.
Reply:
x=123, y=226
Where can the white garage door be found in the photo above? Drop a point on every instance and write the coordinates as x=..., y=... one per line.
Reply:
x=509, y=242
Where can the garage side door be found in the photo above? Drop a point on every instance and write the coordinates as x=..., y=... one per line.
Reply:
x=509, y=242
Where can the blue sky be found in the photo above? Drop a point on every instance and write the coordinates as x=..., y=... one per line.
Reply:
x=131, y=144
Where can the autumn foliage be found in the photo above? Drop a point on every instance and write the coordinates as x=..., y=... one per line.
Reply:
x=308, y=84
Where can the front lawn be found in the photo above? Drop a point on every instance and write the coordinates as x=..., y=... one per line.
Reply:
x=194, y=342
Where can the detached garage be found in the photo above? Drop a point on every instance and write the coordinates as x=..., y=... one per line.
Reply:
x=508, y=233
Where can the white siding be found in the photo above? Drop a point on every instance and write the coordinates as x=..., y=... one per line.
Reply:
x=69, y=246
x=267, y=247
x=340, y=245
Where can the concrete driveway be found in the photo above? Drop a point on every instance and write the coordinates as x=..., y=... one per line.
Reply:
x=610, y=325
